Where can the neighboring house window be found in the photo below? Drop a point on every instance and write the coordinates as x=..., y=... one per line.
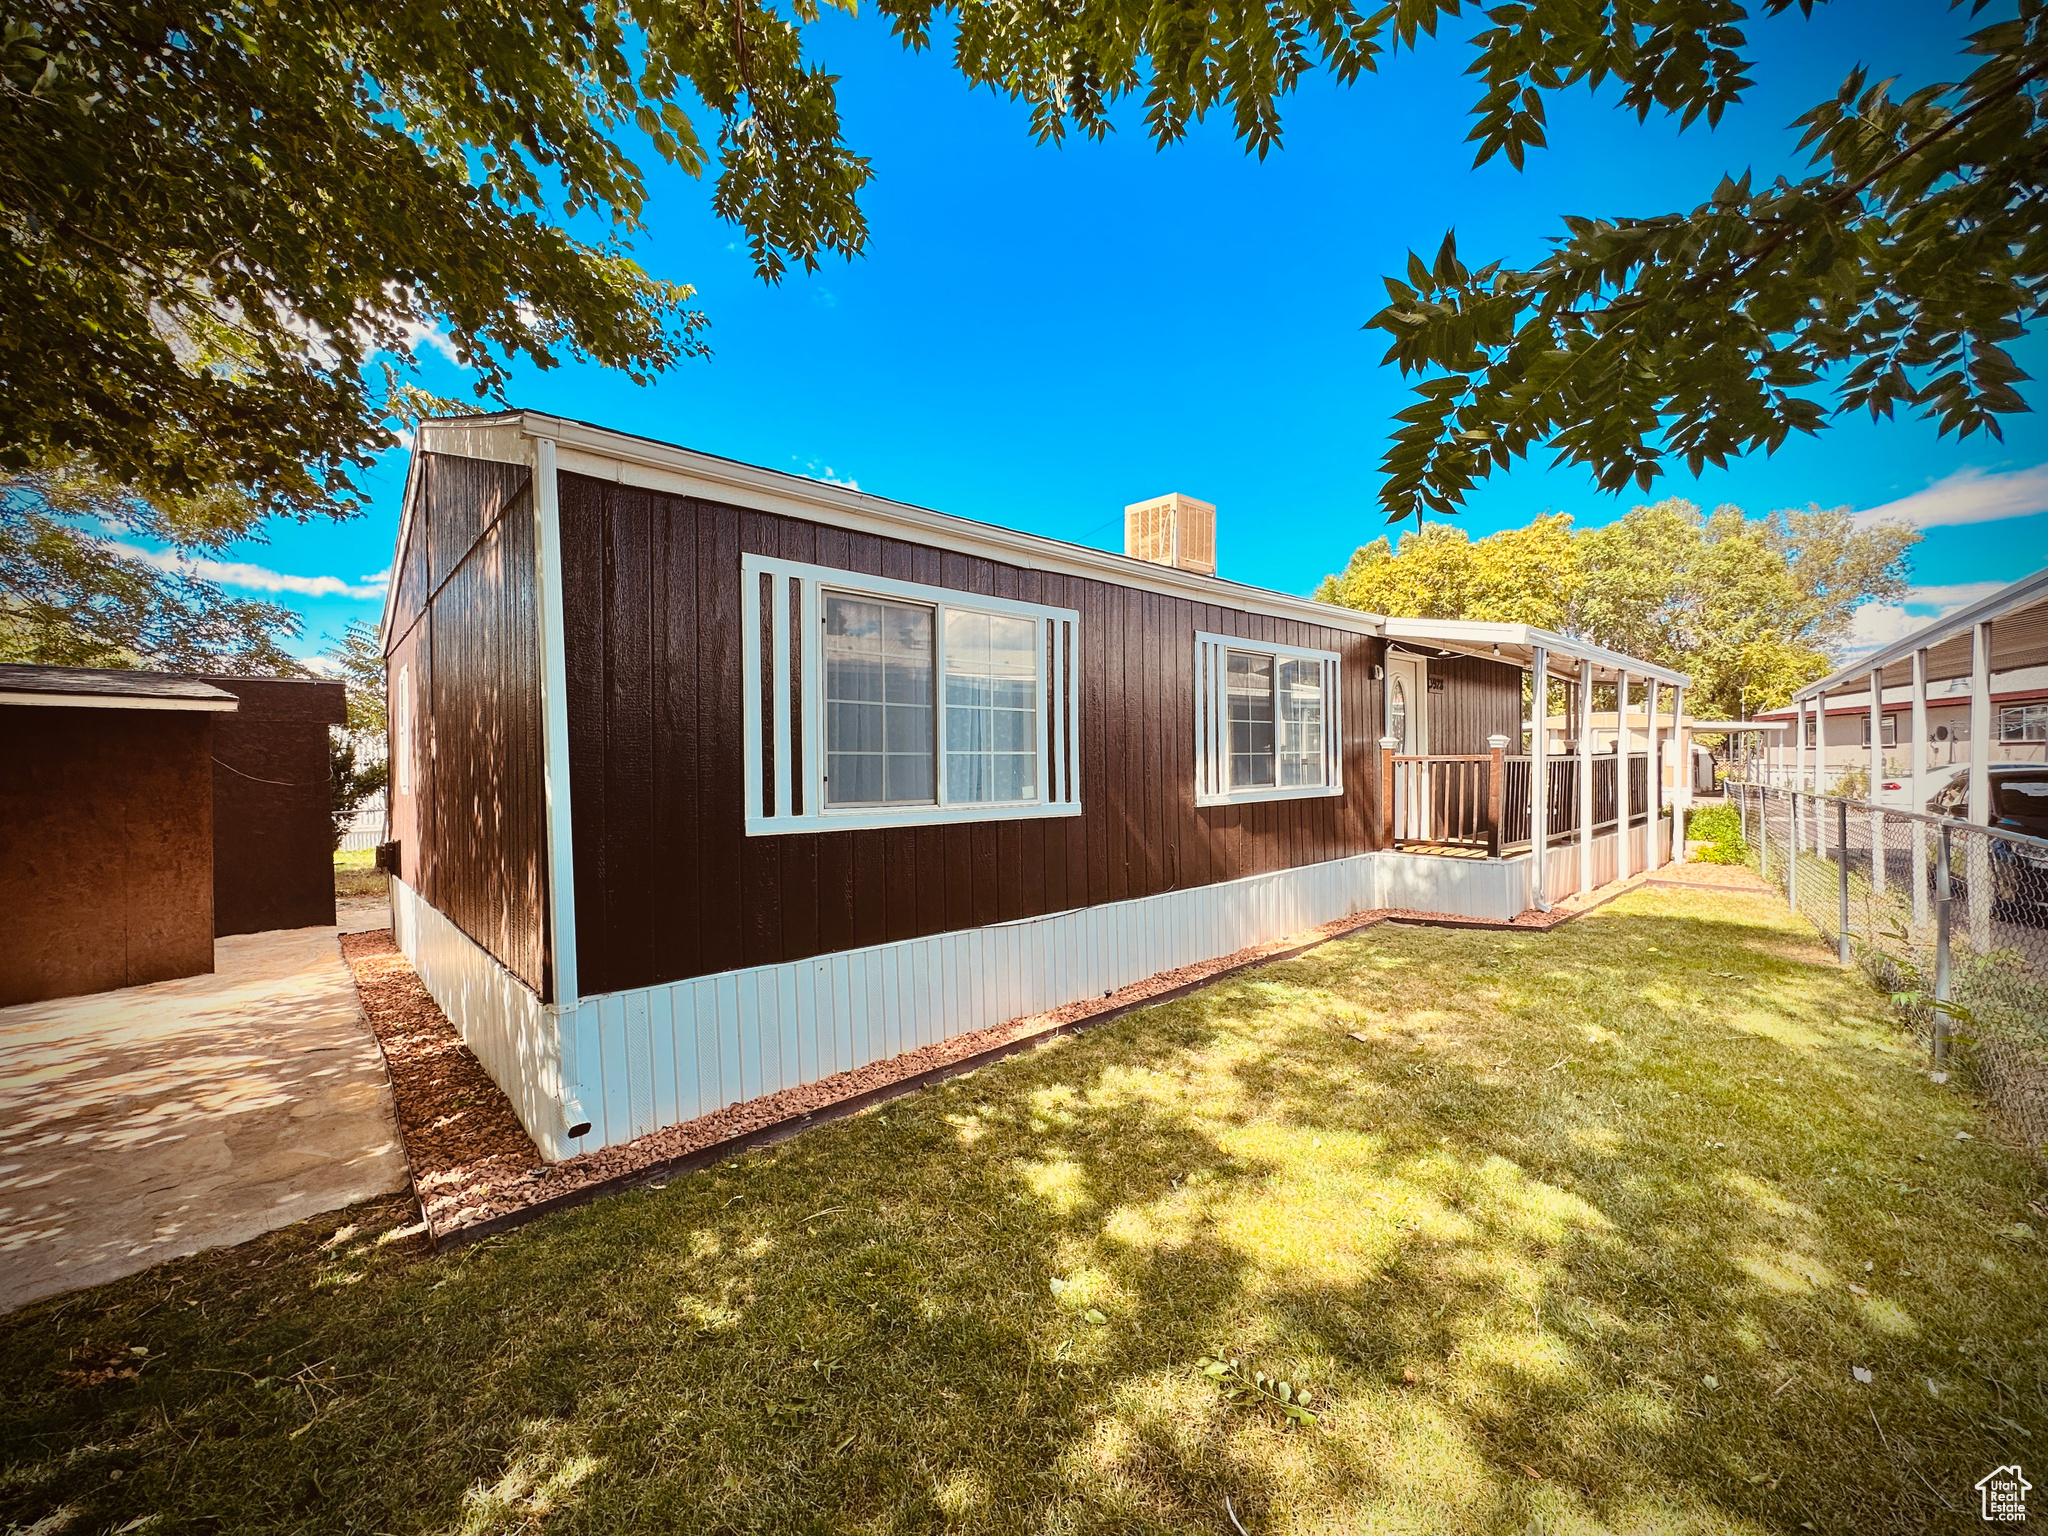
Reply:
x=1266, y=725
x=1812, y=730
x=872, y=702
x=1891, y=730
x=2023, y=722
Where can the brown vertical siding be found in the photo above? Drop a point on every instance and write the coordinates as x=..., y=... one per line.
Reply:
x=273, y=824
x=106, y=849
x=1480, y=699
x=473, y=831
x=667, y=884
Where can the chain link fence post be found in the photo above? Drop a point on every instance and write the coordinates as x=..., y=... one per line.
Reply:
x=1792, y=850
x=1842, y=859
x=1941, y=975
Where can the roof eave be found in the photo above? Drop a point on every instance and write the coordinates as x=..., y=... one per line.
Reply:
x=2023, y=593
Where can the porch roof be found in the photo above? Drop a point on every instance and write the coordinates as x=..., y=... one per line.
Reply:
x=1517, y=643
x=2019, y=638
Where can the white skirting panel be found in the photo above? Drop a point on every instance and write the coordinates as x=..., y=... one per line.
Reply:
x=509, y=1029
x=660, y=1055
x=1494, y=889
x=1563, y=858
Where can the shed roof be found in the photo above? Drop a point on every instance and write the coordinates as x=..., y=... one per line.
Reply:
x=2019, y=638
x=109, y=688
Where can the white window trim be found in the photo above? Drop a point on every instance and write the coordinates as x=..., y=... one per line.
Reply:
x=1212, y=722
x=771, y=810
x=404, y=732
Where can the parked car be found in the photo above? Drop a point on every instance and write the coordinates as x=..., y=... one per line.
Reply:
x=2019, y=803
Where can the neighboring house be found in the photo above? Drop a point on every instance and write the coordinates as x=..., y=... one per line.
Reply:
x=709, y=780
x=2019, y=731
x=144, y=814
x=1976, y=676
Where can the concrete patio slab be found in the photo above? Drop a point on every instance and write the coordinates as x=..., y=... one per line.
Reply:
x=142, y=1124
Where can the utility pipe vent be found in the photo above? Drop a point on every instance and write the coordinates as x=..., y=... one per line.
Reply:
x=1173, y=530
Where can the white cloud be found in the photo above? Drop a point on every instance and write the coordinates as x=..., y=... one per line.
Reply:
x=428, y=333
x=813, y=470
x=1941, y=599
x=1968, y=496
x=255, y=578
x=1875, y=625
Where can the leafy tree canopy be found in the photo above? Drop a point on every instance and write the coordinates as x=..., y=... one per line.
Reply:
x=1751, y=607
x=360, y=660
x=1892, y=276
x=75, y=592
x=216, y=216
x=1520, y=575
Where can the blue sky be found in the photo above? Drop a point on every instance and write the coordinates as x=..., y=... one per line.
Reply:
x=1038, y=335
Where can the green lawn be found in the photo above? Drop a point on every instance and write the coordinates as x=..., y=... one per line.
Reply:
x=1587, y=1233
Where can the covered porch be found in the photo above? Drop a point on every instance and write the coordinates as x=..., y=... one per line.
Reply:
x=1582, y=788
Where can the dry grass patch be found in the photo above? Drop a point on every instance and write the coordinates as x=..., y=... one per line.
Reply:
x=1581, y=1232
x=356, y=877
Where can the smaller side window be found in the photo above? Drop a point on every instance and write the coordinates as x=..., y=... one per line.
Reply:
x=1266, y=723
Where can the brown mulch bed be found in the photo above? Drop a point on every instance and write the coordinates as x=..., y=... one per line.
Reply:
x=464, y=1143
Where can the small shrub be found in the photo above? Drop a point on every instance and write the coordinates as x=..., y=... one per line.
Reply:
x=1718, y=829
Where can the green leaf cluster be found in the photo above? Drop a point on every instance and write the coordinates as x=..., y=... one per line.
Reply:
x=359, y=659
x=1717, y=830
x=1893, y=276
x=220, y=220
x=1247, y=1387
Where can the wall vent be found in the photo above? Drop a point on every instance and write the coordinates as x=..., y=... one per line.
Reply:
x=1173, y=530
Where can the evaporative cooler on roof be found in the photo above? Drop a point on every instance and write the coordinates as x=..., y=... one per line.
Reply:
x=1173, y=530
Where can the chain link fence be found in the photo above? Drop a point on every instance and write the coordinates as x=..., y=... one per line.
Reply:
x=1951, y=919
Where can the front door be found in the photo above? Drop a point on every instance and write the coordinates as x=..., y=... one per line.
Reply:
x=1408, y=724
x=1408, y=704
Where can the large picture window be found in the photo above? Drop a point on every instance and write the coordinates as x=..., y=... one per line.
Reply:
x=1265, y=721
x=873, y=702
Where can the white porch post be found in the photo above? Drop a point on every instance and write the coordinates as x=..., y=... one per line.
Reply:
x=1681, y=776
x=1539, y=772
x=1651, y=858
x=1621, y=858
x=1919, y=788
x=1980, y=786
x=1799, y=747
x=1798, y=783
x=1585, y=775
x=1876, y=782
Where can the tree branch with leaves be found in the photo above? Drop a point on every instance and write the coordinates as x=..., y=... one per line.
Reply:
x=1891, y=277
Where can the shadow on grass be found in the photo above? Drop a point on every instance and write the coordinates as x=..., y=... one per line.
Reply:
x=1506, y=1203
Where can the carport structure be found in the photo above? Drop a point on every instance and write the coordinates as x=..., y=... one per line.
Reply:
x=2005, y=632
